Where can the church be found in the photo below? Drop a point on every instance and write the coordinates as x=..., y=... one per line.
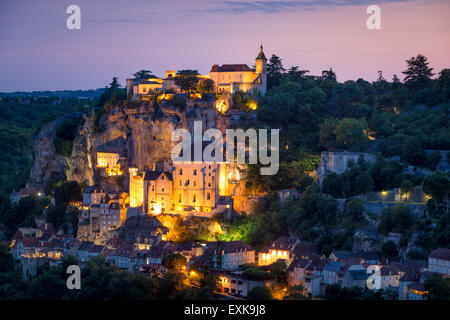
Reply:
x=228, y=78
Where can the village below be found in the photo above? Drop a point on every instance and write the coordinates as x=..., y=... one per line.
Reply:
x=358, y=209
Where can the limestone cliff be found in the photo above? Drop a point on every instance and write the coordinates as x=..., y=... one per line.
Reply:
x=142, y=131
x=46, y=161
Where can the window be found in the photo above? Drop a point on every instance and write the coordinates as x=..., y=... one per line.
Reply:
x=195, y=172
x=180, y=182
x=195, y=183
x=162, y=189
x=179, y=198
x=208, y=196
x=180, y=172
x=162, y=177
x=153, y=188
x=194, y=199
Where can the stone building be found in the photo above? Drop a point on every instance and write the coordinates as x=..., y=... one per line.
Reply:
x=227, y=78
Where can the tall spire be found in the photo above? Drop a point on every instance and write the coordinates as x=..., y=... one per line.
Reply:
x=261, y=55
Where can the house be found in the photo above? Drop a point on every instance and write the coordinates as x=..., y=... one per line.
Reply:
x=235, y=283
x=296, y=271
x=26, y=246
x=339, y=255
x=280, y=249
x=407, y=279
x=188, y=250
x=84, y=251
x=416, y=291
x=390, y=277
x=439, y=261
x=356, y=275
x=230, y=255
x=331, y=272
x=306, y=250
x=152, y=270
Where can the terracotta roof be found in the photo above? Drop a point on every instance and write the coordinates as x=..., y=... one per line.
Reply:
x=440, y=253
x=298, y=263
x=154, y=174
x=233, y=246
x=230, y=68
x=46, y=228
x=30, y=242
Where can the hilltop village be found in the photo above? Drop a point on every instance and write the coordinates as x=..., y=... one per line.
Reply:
x=130, y=204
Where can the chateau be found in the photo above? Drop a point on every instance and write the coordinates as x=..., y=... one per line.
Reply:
x=192, y=187
x=227, y=78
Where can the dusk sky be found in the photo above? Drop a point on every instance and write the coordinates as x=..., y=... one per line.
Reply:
x=120, y=37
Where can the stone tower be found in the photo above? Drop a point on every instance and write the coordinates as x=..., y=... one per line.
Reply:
x=261, y=69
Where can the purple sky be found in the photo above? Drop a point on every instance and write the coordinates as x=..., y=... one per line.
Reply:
x=120, y=37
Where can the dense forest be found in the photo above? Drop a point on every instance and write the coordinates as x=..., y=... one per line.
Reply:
x=405, y=122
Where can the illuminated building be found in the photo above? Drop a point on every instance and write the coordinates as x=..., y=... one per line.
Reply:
x=111, y=162
x=227, y=78
x=281, y=249
x=136, y=188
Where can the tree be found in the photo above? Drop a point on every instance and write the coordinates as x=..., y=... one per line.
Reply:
x=437, y=185
x=174, y=261
x=332, y=184
x=328, y=75
x=275, y=70
x=294, y=74
x=395, y=219
x=351, y=133
x=144, y=74
x=438, y=287
x=206, y=86
x=433, y=159
x=406, y=187
x=295, y=293
x=396, y=83
x=355, y=209
x=327, y=133
x=364, y=183
x=259, y=293
x=413, y=152
x=389, y=249
x=187, y=80
x=418, y=74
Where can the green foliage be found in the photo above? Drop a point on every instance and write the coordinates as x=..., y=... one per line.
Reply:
x=187, y=80
x=389, y=249
x=238, y=230
x=259, y=293
x=65, y=135
x=438, y=287
x=332, y=184
x=437, y=185
x=395, y=219
x=23, y=213
x=174, y=261
x=418, y=74
x=335, y=292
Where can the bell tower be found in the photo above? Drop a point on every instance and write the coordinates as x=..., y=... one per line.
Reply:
x=261, y=69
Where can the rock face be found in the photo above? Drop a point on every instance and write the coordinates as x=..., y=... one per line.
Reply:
x=141, y=131
x=46, y=161
x=80, y=166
